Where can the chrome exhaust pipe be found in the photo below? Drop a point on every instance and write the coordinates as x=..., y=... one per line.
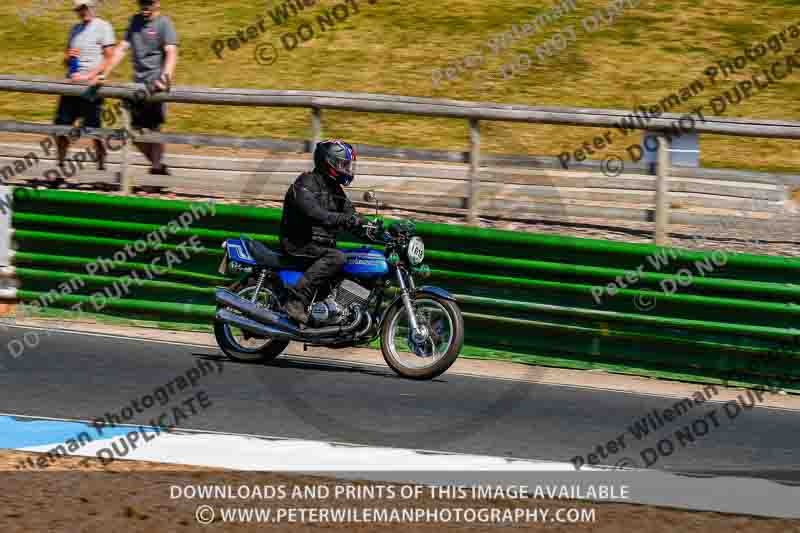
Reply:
x=366, y=328
x=251, y=310
x=276, y=321
x=241, y=322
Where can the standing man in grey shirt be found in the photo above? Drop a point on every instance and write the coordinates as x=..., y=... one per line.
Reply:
x=89, y=50
x=154, y=42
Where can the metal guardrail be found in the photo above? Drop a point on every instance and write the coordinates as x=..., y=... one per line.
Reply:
x=381, y=103
x=737, y=322
x=509, y=193
x=474, y=112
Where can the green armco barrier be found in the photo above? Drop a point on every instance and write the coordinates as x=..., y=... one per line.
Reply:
x=526, y=297
x=130, y=308
x=541, y=270
x=581, y=251
x=673, y=305
x=78, y=265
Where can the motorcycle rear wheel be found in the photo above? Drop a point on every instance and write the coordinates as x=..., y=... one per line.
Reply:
x=244, y=347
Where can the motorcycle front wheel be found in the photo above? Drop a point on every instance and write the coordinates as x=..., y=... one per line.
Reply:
x=245, y=347
x=438, y=348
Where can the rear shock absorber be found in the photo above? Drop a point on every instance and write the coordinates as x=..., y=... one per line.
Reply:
x=259, y=284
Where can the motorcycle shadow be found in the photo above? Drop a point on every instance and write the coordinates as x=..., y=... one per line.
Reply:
x=300, y=362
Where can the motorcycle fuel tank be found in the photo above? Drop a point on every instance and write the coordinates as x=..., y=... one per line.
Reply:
x=366, y=263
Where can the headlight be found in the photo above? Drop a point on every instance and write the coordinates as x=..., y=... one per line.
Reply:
x=416, y=250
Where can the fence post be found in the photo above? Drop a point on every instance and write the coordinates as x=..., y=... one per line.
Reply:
x=8, y=278
x=474, y=170
x=125, y=179
x=6, y=214
x=316, y=127
x=662, y=192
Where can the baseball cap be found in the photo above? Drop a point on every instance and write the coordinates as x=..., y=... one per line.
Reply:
x=80, y=3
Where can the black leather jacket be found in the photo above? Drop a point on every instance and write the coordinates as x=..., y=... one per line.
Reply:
x=314, y=209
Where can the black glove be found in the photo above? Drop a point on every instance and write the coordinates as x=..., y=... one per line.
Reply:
x=353, y=221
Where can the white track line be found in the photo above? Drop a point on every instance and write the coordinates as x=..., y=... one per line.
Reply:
x=261, y=452
x=277, y=438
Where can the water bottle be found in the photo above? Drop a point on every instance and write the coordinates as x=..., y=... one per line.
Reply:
x=74, y=65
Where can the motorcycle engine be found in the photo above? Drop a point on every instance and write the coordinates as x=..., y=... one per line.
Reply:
x=338, y=306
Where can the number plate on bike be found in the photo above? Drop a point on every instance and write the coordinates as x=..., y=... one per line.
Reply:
x=416, y=250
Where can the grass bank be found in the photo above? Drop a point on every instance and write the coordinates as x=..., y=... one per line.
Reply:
x=639, y=57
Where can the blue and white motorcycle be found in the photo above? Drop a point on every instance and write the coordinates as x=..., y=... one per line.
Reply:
x=421, y=329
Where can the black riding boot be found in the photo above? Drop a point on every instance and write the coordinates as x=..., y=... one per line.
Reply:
x=297, y=304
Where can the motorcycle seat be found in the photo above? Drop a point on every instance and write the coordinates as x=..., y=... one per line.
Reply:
x=267, y=257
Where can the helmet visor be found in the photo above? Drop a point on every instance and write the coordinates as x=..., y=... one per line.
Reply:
x=345, y=167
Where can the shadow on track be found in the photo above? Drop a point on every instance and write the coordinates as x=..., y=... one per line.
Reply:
x=288, y=362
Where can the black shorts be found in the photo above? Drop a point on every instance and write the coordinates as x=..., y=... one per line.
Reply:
x=72, y=108
x=147, y=115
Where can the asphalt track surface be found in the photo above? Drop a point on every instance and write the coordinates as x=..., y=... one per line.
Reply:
x=82, y=376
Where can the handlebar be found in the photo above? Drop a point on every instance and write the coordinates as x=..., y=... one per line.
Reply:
x=378, y=232
x=374, y=231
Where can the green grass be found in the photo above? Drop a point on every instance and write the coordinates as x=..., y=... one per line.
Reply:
x=392, y=47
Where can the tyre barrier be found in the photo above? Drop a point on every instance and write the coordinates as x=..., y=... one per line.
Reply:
x=526, y=297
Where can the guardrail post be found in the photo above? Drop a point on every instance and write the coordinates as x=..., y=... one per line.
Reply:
x=474, y=170
x=316, y=127
x=125, y=178
x=662, y=192
x=8, y=280
x=6, y=206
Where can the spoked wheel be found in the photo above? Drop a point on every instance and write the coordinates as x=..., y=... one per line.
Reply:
x=435, y=349
x=241, y=345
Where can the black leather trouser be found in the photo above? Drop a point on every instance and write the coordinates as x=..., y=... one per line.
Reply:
x=327, y=263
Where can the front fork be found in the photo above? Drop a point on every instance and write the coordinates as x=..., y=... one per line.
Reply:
x=417, y=334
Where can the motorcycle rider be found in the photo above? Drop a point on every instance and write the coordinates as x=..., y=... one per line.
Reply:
x=314, y=209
